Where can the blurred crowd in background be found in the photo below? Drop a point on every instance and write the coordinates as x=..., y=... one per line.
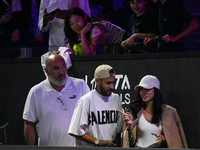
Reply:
x=19, y=30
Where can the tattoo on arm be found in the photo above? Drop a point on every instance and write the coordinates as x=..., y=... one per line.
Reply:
x=105, y=143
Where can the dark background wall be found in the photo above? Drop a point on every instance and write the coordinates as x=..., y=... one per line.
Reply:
x=177, y=72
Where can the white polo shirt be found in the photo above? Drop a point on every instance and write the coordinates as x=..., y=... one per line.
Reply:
x=43, y=107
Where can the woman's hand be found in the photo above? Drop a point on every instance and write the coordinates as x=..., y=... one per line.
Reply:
x=128, y=118
x=160, y=138
x=87, y=28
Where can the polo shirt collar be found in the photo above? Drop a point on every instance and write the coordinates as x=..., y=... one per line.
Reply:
x=67, y=86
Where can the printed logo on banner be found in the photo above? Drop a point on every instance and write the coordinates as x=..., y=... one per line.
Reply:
x=122, y=88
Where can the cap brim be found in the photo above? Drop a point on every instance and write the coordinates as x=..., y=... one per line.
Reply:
x=142, y=85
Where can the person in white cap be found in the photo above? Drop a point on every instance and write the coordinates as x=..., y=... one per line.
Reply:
x=50, y=104
x=96, y=121
x=149, y=123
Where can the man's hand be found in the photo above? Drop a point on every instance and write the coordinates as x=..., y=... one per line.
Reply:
x=47, y=18
x=148, y=40
x=15, y=36
x=167, y=38
x=106, y=143
x=39, y=37
x=128, y=42
x=5, y=18
x=61, y=15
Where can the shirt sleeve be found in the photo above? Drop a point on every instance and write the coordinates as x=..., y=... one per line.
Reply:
x=95, y=32
x=79, y=121
x=29, y=113
x=16, y=5
x=41, y=14
x=120, y=118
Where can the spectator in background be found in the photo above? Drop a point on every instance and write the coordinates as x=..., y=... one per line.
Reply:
x=55, y=23
x=50, y=104
x=10, y=12
x=91, y=31
x=30, y=31
x=171, y=19
x=143, y=24
x=34, y=24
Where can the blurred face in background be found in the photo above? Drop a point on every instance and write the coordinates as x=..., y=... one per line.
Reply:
x=138, y=6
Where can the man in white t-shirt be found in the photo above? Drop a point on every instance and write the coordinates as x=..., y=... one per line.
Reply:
x=96, y=121
x=50, y=104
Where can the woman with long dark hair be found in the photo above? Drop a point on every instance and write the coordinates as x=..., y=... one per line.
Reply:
x=90, y=31
x=151, y=123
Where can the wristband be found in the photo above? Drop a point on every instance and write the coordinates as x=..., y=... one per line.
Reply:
x=131, y=136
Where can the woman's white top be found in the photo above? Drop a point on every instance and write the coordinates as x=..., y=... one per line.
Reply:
x=144, y=130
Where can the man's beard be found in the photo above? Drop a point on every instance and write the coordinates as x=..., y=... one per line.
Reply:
x=103, y=91
x=57, y=81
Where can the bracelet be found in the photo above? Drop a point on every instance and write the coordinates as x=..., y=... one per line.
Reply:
x=130, y=137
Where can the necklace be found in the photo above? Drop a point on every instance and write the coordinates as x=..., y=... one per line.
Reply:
x=148, y=111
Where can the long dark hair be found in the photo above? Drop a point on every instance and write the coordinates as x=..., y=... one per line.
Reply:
x=136, y=106
x=70, y=35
